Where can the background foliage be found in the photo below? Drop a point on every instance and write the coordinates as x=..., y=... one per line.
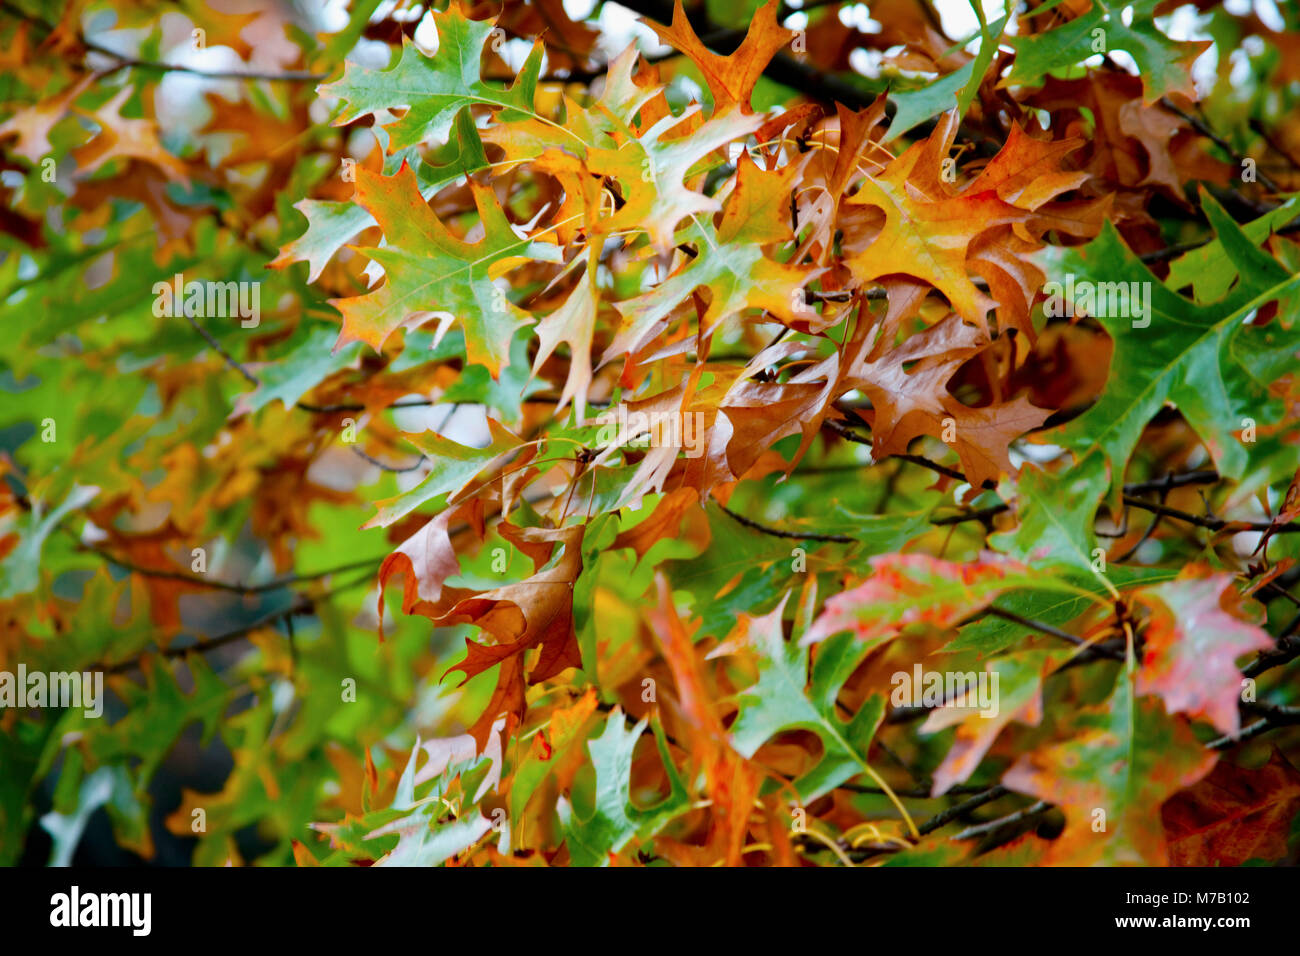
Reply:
x=372, y=581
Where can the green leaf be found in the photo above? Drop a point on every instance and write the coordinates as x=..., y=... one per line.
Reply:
x=990, y=635
x=433, y=88
x=738, y=276
x=65, y=829
x=990, y=37
x=156, y=713
x=614, y=819
x=939, y=96
x=504, y=394
x=429, y=271
x=777, y=702
x=954, y=90
x=1199, y=267
x=422, y=839
x=296, y=373
x=1123, y=759
x=453, y=466
x=331, y=225
x=19, y=571
x=1163, y=64
x=1200, y=357
x=1056, y=517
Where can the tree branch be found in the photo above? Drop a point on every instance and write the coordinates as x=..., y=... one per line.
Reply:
x=234, y=588
x=301, y=606
x=1033, y=810
x=791, y=535
x=957, y=810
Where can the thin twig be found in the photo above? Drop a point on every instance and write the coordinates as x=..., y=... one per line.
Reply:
x=217, y=347
x=1278, y=717
x=849, y=435
x=918, y=793
x=1209, y=522
x=981, y=514
x=961, y=809
x=1287, y=650
x=1203, y=128
x=1048, y=629
x=235, y=588
x=301, y=606
x=1033, y=810
x=387, y=467
x=1173, y=480
x=125, y=61
x=792, y=535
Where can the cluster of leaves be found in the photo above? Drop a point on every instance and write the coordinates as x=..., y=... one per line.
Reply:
x=397, y=543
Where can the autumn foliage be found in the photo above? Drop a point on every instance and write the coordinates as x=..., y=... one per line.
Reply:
x=502, y=433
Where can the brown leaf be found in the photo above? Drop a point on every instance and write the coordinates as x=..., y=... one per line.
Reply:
x=1233, y=815
x=731, y=78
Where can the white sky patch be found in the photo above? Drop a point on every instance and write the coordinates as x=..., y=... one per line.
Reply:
x=619, y=26
x=388, y=10
x=374, y=54
x=1240, y=73
x=866, y=62
x=690, y=89
x=958, y=17
x=332, y=16
x=859, y=15
x=1037, y=453
x=515, y=52
x=579, y=10
x=1125, y=60
x=1186, y=24
x=426, y=35
x=1268, y=12
x=1245, y=543
x=465, y=424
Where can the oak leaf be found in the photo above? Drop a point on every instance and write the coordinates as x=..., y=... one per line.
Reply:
x=1234, y=815
x=730, y=78
x=429, y=271
x=1191, y=646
